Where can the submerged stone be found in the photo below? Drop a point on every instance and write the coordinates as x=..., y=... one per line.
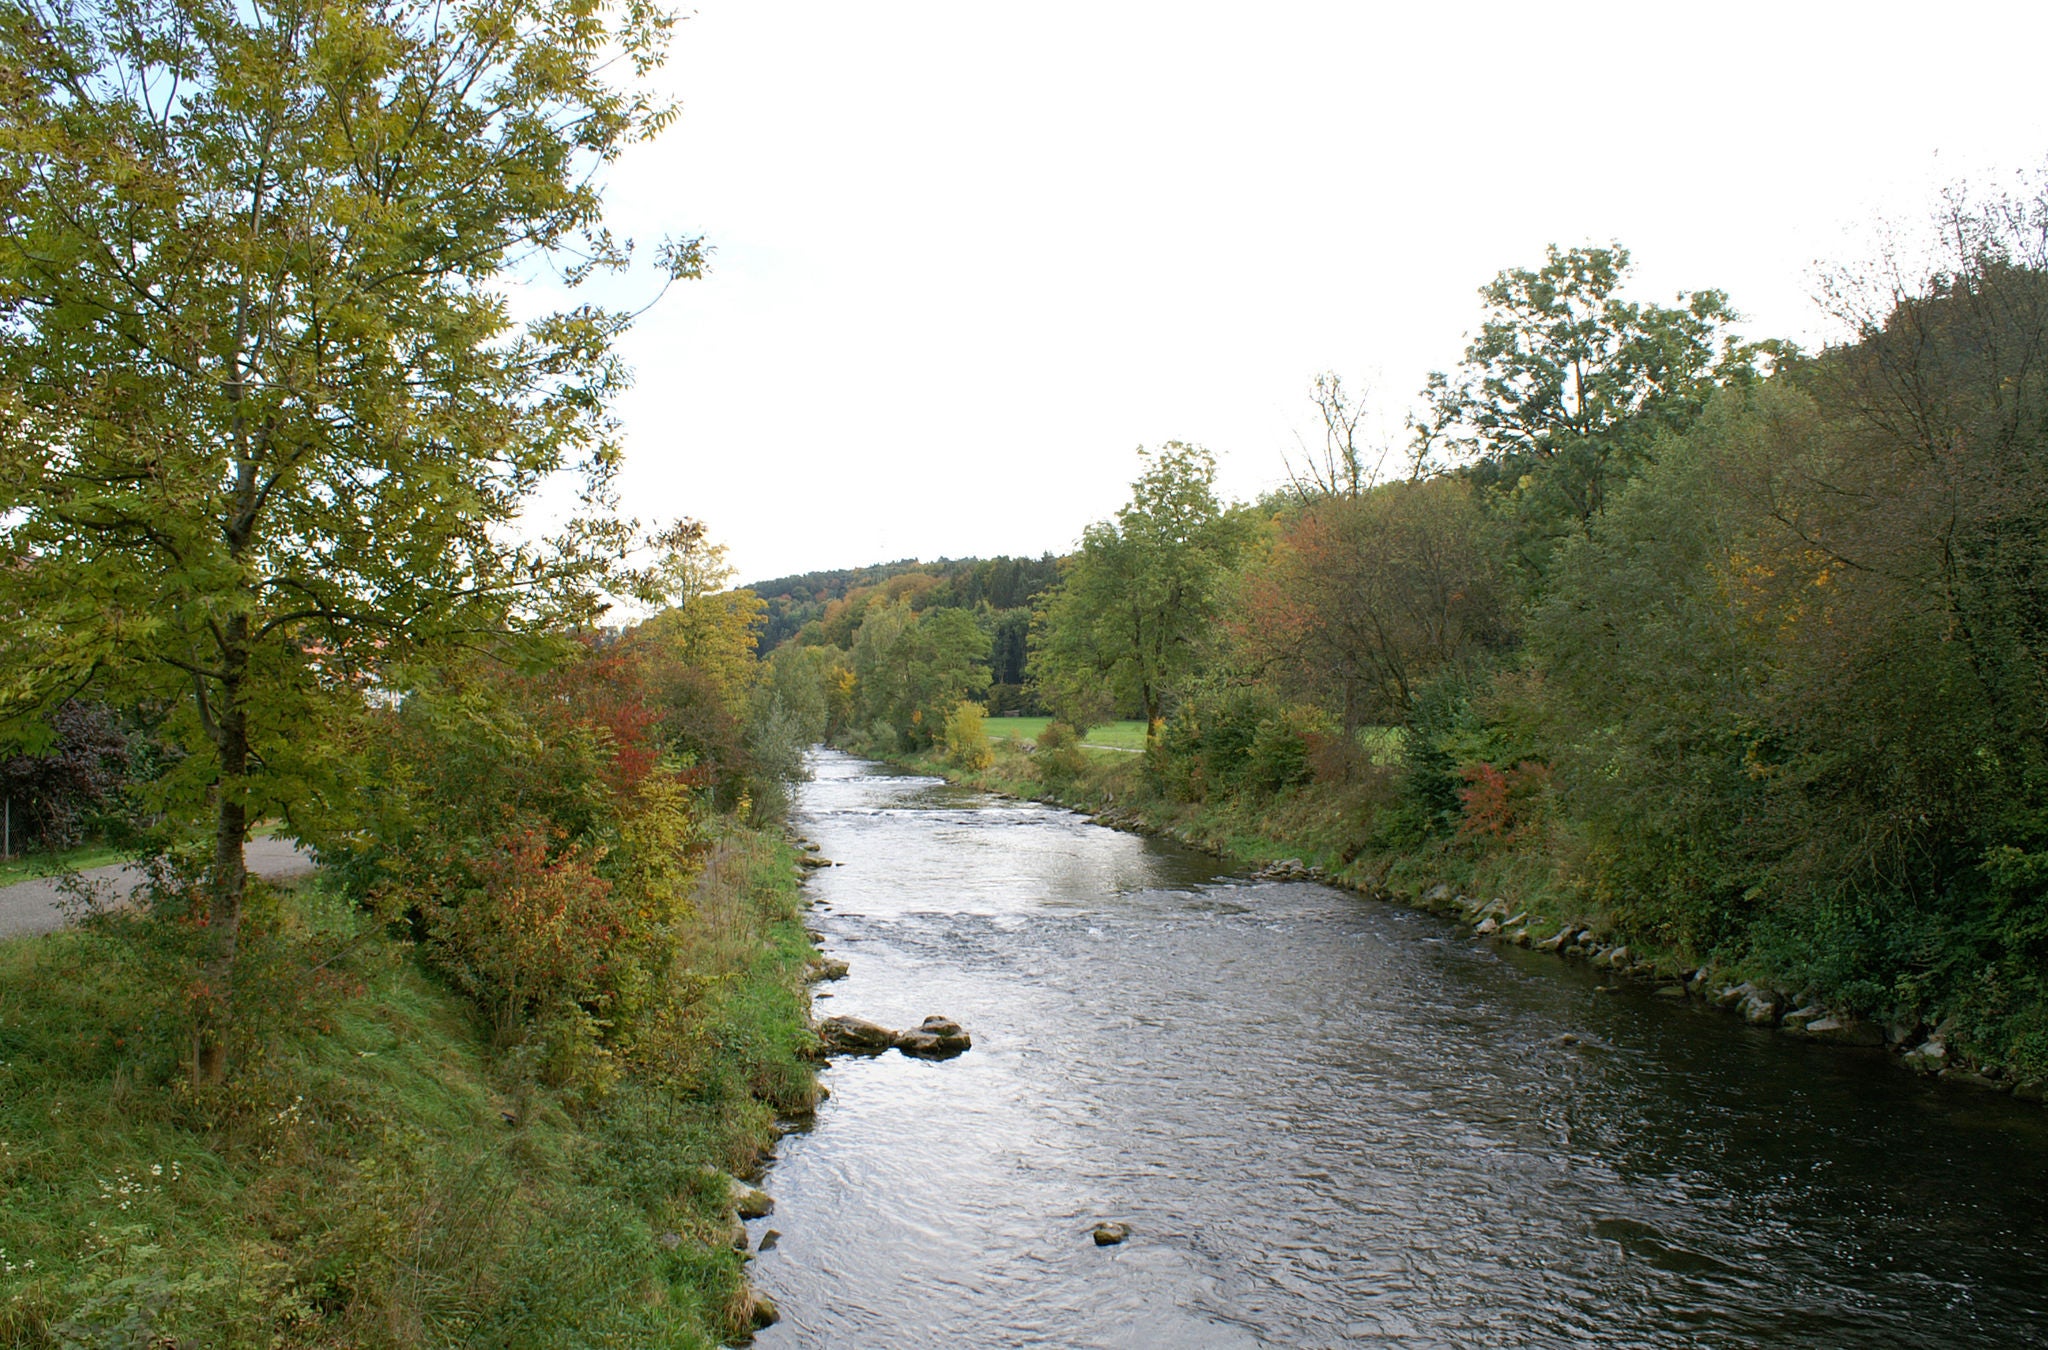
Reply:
x=1844, y=1031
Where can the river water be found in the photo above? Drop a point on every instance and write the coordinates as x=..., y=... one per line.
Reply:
x=1330, y=1121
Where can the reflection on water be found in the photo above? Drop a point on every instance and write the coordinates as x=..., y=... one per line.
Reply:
x=1330, y=1121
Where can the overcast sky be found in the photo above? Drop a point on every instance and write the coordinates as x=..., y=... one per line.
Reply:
x=968, y=256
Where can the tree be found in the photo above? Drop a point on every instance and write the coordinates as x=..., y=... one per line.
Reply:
x=1366, y=597
x=911, y=670
x=265, y=415
x=1940, y=485
x=710, y=630
x=1339, y=469
x=1134, y=612
x=1567, y=384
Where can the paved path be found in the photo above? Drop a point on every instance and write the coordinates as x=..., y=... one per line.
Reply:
x=36, y=906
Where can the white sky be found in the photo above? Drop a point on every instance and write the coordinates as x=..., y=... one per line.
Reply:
x=969, y=256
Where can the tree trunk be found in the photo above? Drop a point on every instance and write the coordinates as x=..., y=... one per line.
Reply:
x=1350, y=756
x=228, y=881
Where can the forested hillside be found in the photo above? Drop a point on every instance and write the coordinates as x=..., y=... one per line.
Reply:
x=827, y=607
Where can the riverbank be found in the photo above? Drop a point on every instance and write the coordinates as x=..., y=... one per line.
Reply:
x=1502, y=896
x=379, y=1173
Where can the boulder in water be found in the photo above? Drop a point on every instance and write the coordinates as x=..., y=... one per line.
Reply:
x=1109, y=1234
x=751, y=1202
x=934, y=1038
x=1930, y=1056
x=1798, y=1018
x=1758, y=1006
x=845, y=1035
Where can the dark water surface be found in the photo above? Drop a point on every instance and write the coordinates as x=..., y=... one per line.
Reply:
x=1330, y=1121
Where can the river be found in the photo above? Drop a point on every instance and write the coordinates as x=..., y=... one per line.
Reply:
x=1331, y=1121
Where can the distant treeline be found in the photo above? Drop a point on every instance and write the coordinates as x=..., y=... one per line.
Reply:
x=827, y=608
x=1739, y=651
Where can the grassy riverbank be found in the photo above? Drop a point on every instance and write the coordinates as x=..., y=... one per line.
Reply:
x=379, y=1173
x=1328, y=831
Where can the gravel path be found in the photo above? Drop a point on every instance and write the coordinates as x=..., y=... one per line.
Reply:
x=35, y=906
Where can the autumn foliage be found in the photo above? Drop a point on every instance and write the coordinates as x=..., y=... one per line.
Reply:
x=539, y=831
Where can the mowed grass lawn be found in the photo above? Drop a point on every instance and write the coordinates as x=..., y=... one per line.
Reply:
x=1109, y=736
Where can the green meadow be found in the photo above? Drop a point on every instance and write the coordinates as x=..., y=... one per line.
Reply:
x=1128, y=735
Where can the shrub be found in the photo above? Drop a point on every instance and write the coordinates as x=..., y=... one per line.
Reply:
x=1280, y=753
x=1057, y=757
x=966, y=739
x=71, y=787
x=1501, y=804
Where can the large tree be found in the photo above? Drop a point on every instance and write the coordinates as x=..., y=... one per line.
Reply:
x=1136, y=609
x=1568, y=383
x=266, y=417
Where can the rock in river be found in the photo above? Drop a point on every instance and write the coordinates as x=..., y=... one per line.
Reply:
x=1930, y=1056
x=1844, y=1031
x=827, y=968
x=751, y=1202
x=844, y=1035
x=935, y=1038
x=1109, y=1234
